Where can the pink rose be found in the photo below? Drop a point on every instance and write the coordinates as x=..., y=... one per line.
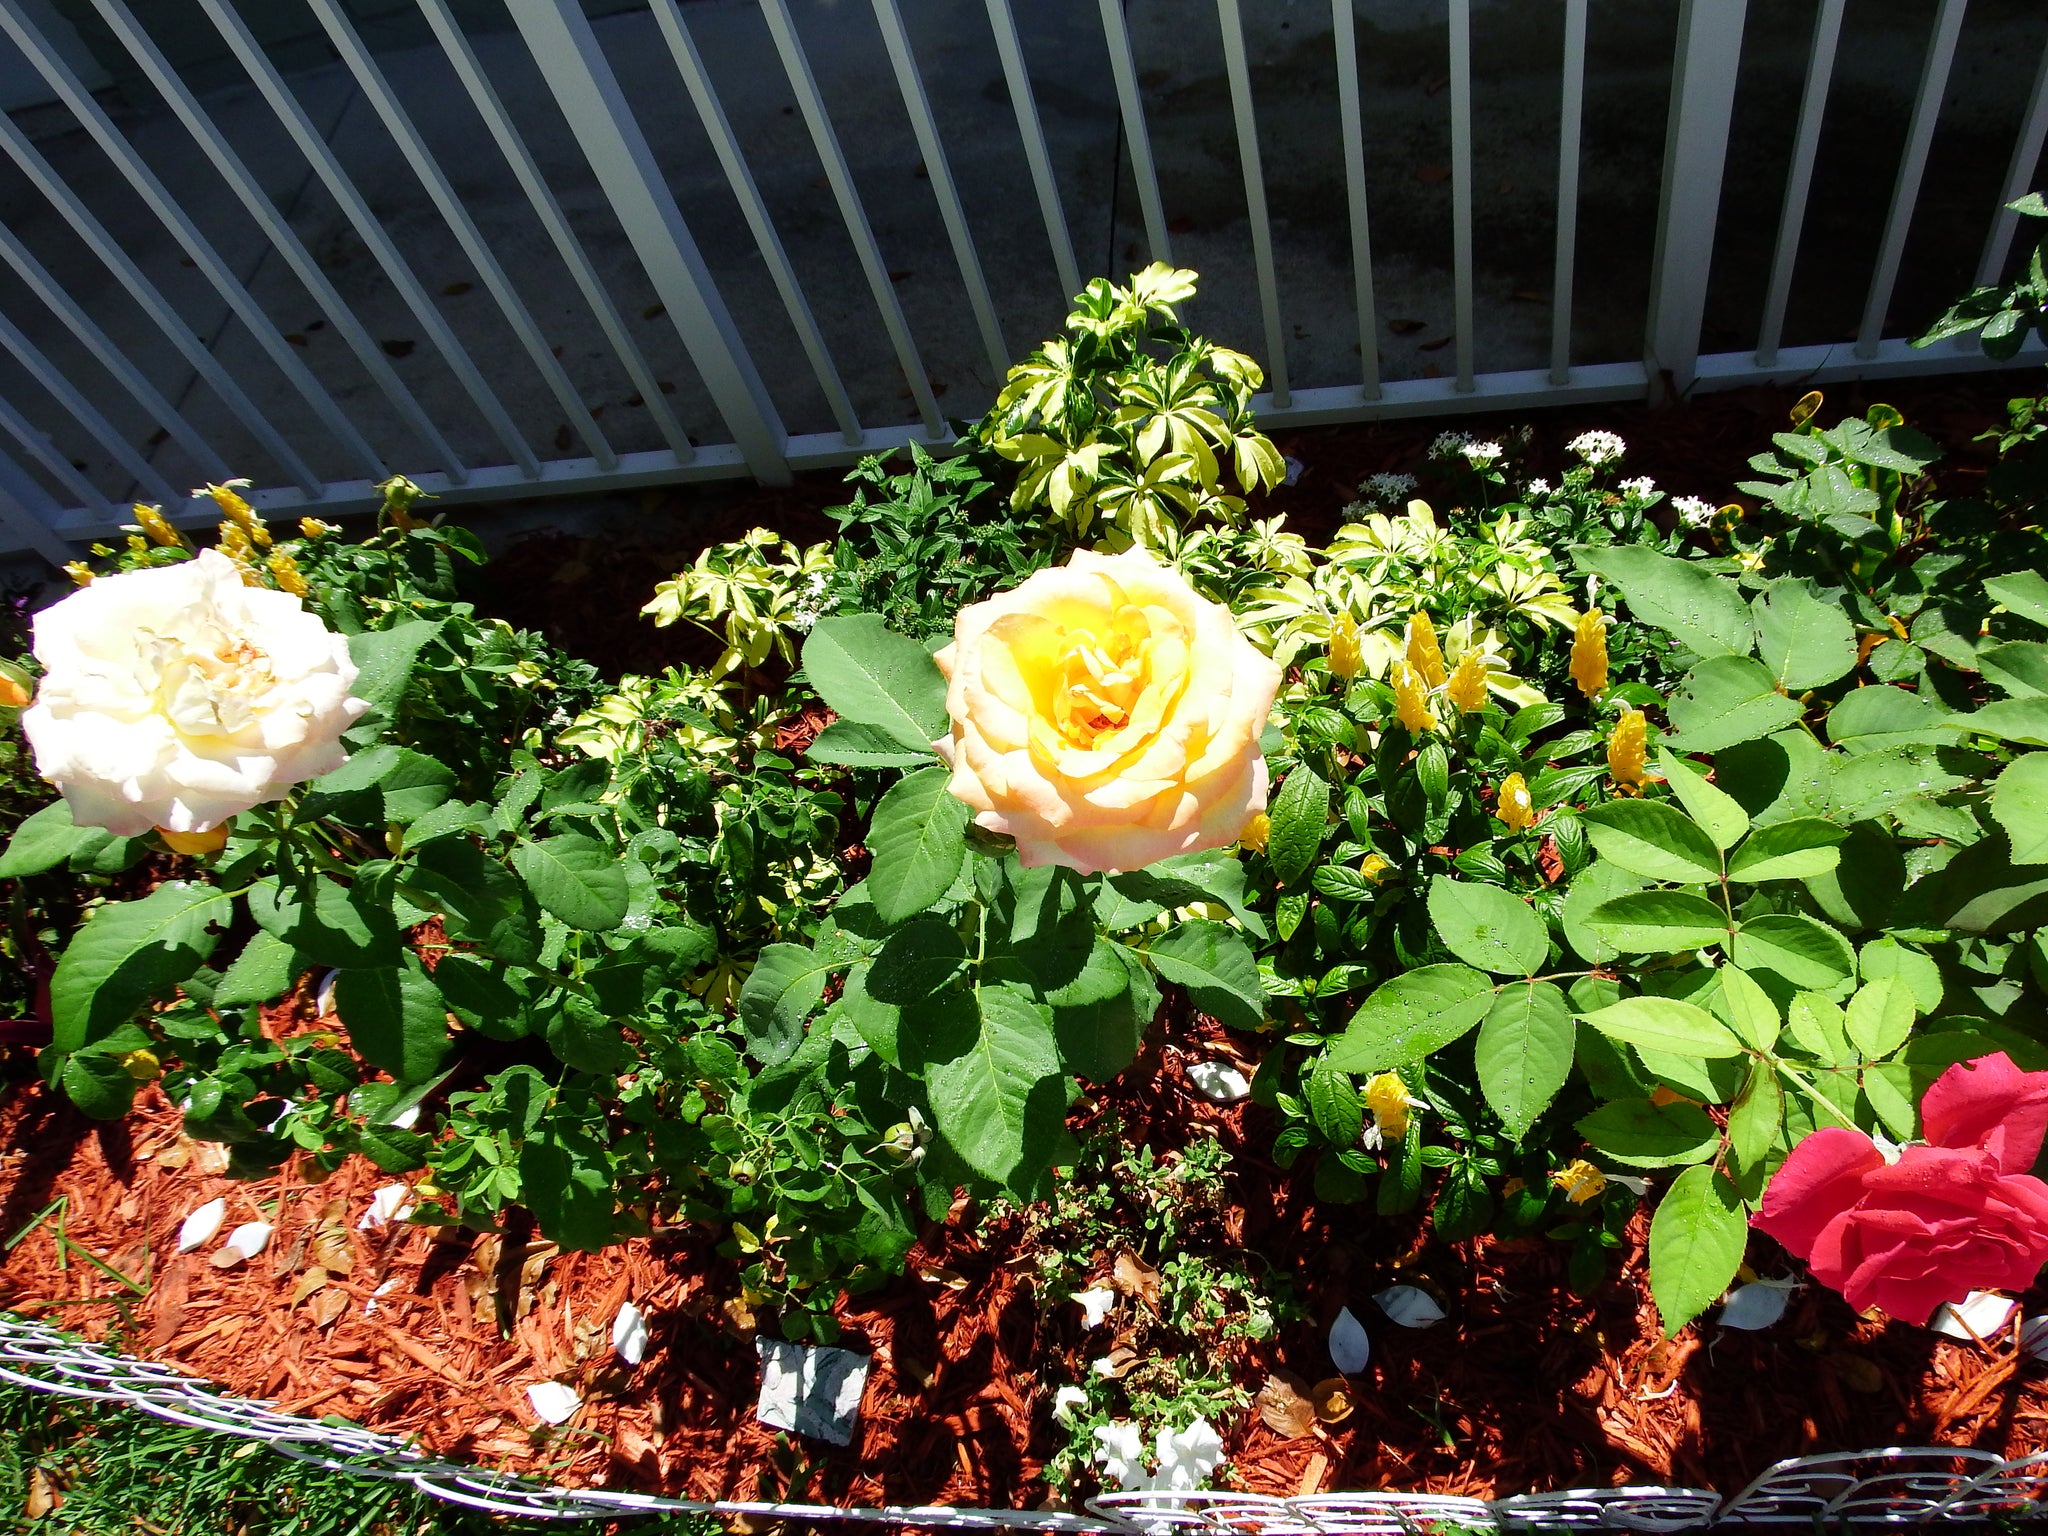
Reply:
x=1106, y=715
x=1936, y=1220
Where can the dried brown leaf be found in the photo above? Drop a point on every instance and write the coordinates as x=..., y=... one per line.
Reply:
x=43, y=1495
x=312, y=1280
x=1284, y=1408
x=1134, y=1277
x=327, y=1306
x=1858, y=1373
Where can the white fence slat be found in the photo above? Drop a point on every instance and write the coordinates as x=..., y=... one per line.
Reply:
x=1695, y=155
x=44, y=452
x=1351, y=116
x=87, y=415
x=166, y=207
x=107, y=355
x=1571, y=112
x=726, y=145
x=1245, y=115
x=1461, y=185
x=922, y=124
x=2019, y=176
x=825, y=139
x=178, y=96
x=1123, y=69
x=1032, y=135
x=572, y=62
x=484, y=97
x=152, y=302
x=368, y=227
x=1941, y=53
x=1813, y=101
x=399, y=124
x=21, y=513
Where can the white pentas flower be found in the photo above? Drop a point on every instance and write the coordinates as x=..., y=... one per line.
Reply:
x=1642, y=486
x=1693, y=511
x=1389, y=490
x=177, y=697
x=1598, y=447
x=1537, y=487
x=1449, y=444
x=1481, y=455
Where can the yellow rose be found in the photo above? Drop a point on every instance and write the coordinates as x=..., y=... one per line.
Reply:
x=1106, y=715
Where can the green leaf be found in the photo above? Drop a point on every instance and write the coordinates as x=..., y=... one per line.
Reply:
x=1659, y=922
x=583, y=1039
x=1524, y=1053
x=1654, y=840
x=327, y=922
x=128, y=953
x=1816, y=1024
x=1800, y=849
x=482, y=901
x=1918, y=973
x=1804, y=952
x=1701, y=611
x=982, y=1098
x=395, y=1018
x=1756, y=1121
x=2023, y=720
x=1593, y=888
x=863, y=746
x=2024, y=593
x=918, y=959
x=1726, y=701
x=919, y=840
x=1665, y=1024
x=98, y=1084
x=1646, y=1135
x=1881, y=716
x=1217, y=967
x=575, y=878
x=385, y=783
x=384, y=661
x=1880, y=1017
x=1716, y=811
x=2020, y=667
x=478, y=995
x=1333, y=1104
x=1804, y=639
x=786, y=984
x=565, y=1179
x=2019, y=803
x=265, y=969
x=1486, y=926
x=1872, y=784
x=1299, y=813
x=875, y=678
x=1750, y=1008
x=1696, y=1243
x=1407, y=1018
x=43, y=841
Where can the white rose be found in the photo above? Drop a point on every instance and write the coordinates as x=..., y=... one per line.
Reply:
x=177, y=697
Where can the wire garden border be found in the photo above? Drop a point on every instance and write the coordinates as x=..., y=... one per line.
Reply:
x=1890, y=1487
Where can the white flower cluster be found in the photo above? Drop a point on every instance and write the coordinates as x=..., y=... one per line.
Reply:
x=1449, y=445
x=1693, y=511
x=1481, y=455
x=811, y=606
x=1642, y=487
x=1536, y=488
x=1598, y=448
x=1186, y=1457
x=1389, y=490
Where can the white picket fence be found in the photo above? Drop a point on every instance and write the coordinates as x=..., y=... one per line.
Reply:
x=318, y=423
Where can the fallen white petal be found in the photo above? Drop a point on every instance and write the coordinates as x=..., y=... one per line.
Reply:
x=1410, y=1306
x=406, y=1118
x=370, y=1306
x=1095, y=1304
x=323, y=998
x=1065, y=1401
x=553, y=1401
x=1755, y=1306
x=1635, y=1186
x=249, y=1239
x=2034, y=1336
x=629, y=1333
x=1349, y=1347
x=391, y=1204
x=201, y=1225
x=1980, y=1313
x=1219, y=1080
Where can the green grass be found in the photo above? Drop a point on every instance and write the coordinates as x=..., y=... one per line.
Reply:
x=122, y=1473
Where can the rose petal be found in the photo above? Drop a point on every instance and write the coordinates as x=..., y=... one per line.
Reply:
x=1821, y=1179
x=199, y=1227
x=1991, y=1103
x=552, y=1401
x=1350, y=1349
x=1755, y=1306
x=250, y=1238
x=629, y=1333
x=1218, y=1080
x=1979, y=1315
x=1410, y=1306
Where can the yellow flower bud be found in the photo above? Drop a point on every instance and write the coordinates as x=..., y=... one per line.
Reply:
x=1388, y=1099
x=141, y=1065
x=1373, y=867
x=1424, y=654
x=1589, y=654
x=137, y=544
x=1626, y=748
x=286, y=570
x=1255, y=833
x=12, y=694
x=1347, y=654
x=1580, y=1181
x=151, y=520
x=1411, y=699
x=192, y=844
x=234, y=542
x=1467, y=687
x=313, y=528
x=238, y=511
x=1512, y=805
x=79, y=572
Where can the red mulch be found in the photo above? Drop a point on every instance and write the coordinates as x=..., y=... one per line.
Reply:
x=1523, y=1387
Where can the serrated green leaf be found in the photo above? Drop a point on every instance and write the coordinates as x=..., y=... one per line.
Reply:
x=2023, y=720
x=1333, y=1104
x=575, y=878
x=44, y=840
x=1800, y=849
x=2024, y=593
x=2019, y=803
x=1654, y=840
x=1217, y=967
x=395, y=1018
x=982, y=1098
x=1703, y=612
x=1524, y=1053
x=786, y=984
x=1879, y=1017
x=1756, y=1120
x=1750, y=1009
x=1696, y=1243
x=1726, y=701
x=265, y=969
x=918, y=959
x=873, y=677
x=1414, y=1014
x=1717, y=812
x=1804, y=952
x=1645, y=1135
x=863, y=746
x=384, y=661
x=1488, y=927
x=1300, y=811
x=1665, y=1024
x=919, y=840
x=1805, y=640
x=128, y=953
x=1659, y=922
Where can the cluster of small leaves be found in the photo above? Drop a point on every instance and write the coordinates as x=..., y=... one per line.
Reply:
x=1131, y=427
x=2002, y=317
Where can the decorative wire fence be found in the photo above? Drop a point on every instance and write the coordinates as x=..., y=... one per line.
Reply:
x=1894, y=1486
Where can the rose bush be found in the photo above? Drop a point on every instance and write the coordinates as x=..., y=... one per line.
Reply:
x=177, y=697
x=1907, y=1229
x=1106, y=715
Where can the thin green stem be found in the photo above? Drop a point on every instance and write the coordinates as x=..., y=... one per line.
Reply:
x=1814, y=1093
